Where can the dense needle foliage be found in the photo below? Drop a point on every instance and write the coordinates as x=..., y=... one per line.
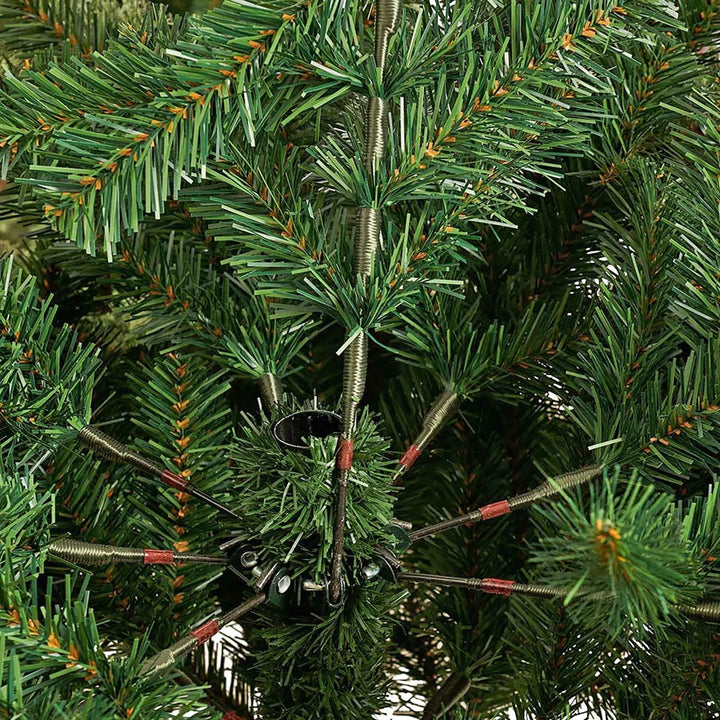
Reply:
x=178, y=210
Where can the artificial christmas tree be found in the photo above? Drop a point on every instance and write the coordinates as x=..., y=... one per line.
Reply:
x=360, y=359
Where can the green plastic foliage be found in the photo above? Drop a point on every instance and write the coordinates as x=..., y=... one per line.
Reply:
x=452, y=339
x=181, y=420
x=554, y=660
x=54, y=26
x=145, y=159
x=548, y=249
x=627, y=545
x=48, y=376
x=52, y=659
x=673, y=676
x=286, y=499
x=53, y=662
x=314, y=663
x=320, y=667
x=26, y=512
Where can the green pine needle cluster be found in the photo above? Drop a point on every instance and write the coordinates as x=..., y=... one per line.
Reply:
x=626, y=545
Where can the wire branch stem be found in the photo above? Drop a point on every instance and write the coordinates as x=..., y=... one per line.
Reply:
x=84, y=553
x=368, y=226
x=111, y=449
x=442, y=409
x=166, y=658
x=547, y=491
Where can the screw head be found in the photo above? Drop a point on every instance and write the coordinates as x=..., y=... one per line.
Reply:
x=249, y=559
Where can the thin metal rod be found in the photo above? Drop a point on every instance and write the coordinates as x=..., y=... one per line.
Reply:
x=704, y=610
x=166, y=658
x=368, y=225
x=84, y=553
x=108, y=448
x=493, y=586
x=546, y=491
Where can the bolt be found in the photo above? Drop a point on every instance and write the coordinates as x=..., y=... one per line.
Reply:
x=311, y=586
x=370, y=571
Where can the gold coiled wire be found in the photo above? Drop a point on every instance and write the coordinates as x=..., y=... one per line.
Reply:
x=84, y=553
x=109, y=448
x=354, y=374
x=446, y=404
x=166, y=658
x=704, y=611
x=387, y=20
x=375, y=132
x=367, y=222
x=561, y=482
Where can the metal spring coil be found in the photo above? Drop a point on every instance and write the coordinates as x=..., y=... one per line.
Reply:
x=441, y=410
x=271, y=390
x=387, y=20
x=375, y=132
x=552, y=593
x=84, y=553
x=109, y=448
x=541, y=591
x=561, y=482
x=354, y=372
x=705, y=611
x=166, y=658
x=241, y=610
x=368, y=235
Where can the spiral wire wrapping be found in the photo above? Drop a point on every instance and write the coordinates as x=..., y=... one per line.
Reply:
x=84, y=553
x=109, y=448
x=271, y=390
x=442, y=409
x=368, y=235
x=543, y=492
x=541, y=591
x=354, y=372
x=387, y=20
x=166, y=658
x=556, y=486
x=499, y=587
x=375, y=132
x=705, y=611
